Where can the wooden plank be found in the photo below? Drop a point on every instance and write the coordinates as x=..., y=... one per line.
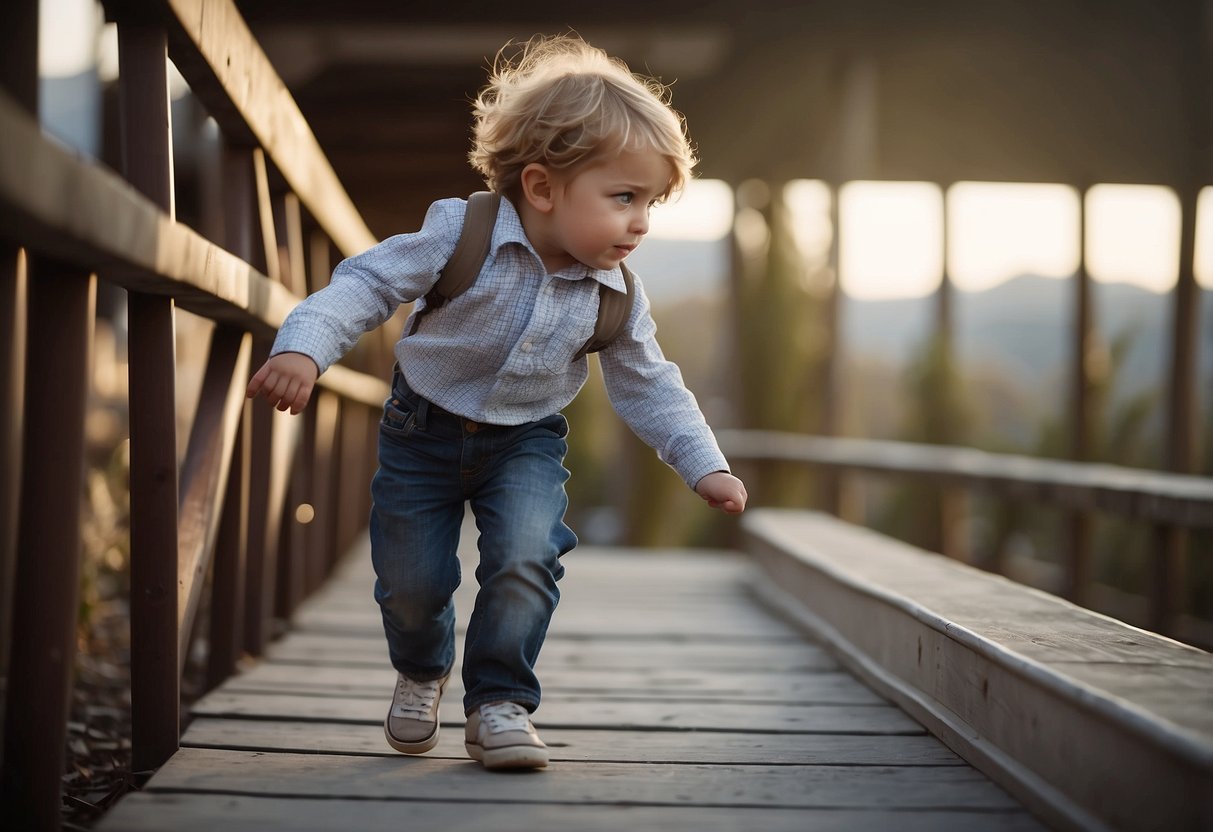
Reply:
x=587, y=712
x=979, y=661
x=821, y=689
x=339, y=651
x=575, y=618
x=570, y=744
x=691, y=683
x=412, y=778
x=155, y=812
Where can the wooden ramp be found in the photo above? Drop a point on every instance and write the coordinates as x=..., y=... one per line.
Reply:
x=672, y=701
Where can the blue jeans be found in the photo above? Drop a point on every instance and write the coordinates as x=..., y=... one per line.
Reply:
x=431, y=463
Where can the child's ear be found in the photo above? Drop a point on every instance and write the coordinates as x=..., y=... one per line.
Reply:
x=538, y=187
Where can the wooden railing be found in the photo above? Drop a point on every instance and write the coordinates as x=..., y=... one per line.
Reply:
x=229, y=510
x=1173, y=504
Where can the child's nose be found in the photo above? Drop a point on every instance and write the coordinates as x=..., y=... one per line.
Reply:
x=640, y=221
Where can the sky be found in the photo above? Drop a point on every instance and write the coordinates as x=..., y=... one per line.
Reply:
x=892, y=233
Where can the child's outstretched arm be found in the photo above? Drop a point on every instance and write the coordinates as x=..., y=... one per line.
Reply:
x=286, y=381
x=723, y=491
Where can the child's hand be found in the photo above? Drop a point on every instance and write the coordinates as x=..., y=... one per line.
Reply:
x=723, y=491
x=286, y=381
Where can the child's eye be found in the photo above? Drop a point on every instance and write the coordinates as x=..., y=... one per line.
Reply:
x=625, y=198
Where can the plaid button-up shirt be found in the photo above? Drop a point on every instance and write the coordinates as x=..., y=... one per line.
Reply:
x=501, y=352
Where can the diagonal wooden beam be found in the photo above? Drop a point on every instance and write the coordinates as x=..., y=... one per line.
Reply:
x=204, y=471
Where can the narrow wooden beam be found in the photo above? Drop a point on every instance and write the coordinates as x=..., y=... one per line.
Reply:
x=19, y=78
x=265, y=214
x=1076, y=545
x=1170, y=544
x=204, y=472
x=256, y=614
x=61, y=309
x=292, y=224
x=14, y=282
x=322, y=538
x=228, y=575
x=147, y=153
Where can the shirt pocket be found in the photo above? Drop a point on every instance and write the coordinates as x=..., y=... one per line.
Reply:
x=573, y=327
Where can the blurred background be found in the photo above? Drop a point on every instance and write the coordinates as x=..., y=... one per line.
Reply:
x=936, y=221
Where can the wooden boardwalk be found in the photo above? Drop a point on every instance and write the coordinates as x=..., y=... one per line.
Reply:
x=672, y=701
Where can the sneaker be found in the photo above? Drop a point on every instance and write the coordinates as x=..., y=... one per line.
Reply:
x=500, y=735
x=411, y=725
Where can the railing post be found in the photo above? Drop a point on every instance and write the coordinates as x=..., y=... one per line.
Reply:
x=61, y=310
x=18, y=78
x=147, y=158
x=1076, y=557
x=1166, y=596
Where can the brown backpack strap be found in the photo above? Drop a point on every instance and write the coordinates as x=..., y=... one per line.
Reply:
x=614, y=309
x=468, y=258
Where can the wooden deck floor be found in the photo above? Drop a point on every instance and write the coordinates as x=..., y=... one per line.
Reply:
x=672, y=701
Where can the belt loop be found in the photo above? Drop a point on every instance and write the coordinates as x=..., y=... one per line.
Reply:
x=423, y=413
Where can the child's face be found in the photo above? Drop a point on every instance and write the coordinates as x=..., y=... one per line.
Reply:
x=601, y=212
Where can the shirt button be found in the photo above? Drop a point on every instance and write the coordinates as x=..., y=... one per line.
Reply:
x=526, y=346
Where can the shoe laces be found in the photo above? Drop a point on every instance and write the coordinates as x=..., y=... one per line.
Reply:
x=505, y=716
x=415, y=699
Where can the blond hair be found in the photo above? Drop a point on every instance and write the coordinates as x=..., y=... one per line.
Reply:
x=562, y=103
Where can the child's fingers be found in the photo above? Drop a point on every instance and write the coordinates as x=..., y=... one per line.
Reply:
x=257, y=381
x=287, y=402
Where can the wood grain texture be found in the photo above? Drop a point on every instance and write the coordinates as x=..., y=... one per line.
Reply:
x=703, y=711
x=1086, y=719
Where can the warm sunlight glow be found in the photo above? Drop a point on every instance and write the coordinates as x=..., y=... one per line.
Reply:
x=67, y=37
x=808, y=202
x=704, y=211
x=1204, y=238
x=1133, y=235
x=891, y=238
x=997, y=231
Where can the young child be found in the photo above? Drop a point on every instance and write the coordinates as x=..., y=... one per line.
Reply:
x=580, y=149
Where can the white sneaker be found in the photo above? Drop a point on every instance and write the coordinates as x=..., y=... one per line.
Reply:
x=500, y=735
x=411, y=724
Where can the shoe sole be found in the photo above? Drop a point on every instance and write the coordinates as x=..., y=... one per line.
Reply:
x=419, y=747
x=511, y=756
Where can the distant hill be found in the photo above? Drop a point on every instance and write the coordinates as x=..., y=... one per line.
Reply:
x=675, y=269
x=1023, y=327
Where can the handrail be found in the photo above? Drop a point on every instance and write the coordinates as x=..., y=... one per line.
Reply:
x=1168, y=499
x=1174, y=504
x=226, y=68
x=46, y=193
x=67, y=222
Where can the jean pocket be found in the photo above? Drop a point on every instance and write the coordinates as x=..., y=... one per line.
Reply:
x=398, y=420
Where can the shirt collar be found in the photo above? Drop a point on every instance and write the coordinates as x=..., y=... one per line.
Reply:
x=509, y=230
